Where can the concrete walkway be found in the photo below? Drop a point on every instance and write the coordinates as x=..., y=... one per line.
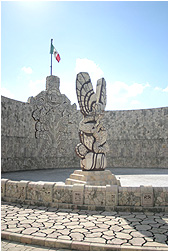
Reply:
x=17, y=246
x=84, y=230
x=128, y=176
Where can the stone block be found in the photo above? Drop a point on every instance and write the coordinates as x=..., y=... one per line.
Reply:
x=95, y=195
x=63, y=194
x=12, y=189
x=160, y=196
x=129, y=196
x=40, y=191
x=38, y=240
x=26, y=239
x=3, y=187
x=22, y=189
x=147, y=197
x=78, y=194
x=111, y=195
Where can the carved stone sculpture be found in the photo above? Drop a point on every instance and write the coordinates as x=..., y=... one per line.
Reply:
x=92, y=147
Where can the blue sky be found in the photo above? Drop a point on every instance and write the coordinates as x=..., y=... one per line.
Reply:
x=126, y=42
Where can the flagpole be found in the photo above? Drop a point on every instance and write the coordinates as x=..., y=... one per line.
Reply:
x=51, y=59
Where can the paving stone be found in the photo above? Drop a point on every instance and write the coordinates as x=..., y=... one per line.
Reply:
x=143, y=227
x=125, y=226
x=91, y=218
x=144, y=222
x=47, y=231
x=111, y=222
x=128, y=231
x=107, y=237
x=26, y=225
x=122, y=235
x=81, y=230
x=54, y=235
x=117, y=241
x=89, y=224
x=77, y=236
x=133, y=219
x=58, y=227
x=116, y=228
x=95, y=240
x=137, y=241
x=101, y=225
x=160, y=230
x=141, y=216
x=15, y=230
x=74, y=227
x=160, y=221
x=40, y=234
x=37, y=224
x=155, y=225
x=11, y=226
x=160, y=238
x=133, y=224
x=98, y=234
x=64, y=237
x=109, y=233
x=149, y=239
x=29, y=231
x=41, y=220
x=48, y=225
x=93, y=230
x=137, y=234
x=108, y=213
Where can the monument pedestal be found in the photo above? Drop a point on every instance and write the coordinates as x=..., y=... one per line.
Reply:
x=95, y=178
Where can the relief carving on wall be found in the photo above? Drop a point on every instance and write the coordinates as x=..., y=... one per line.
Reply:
x=92, y=133
x=51, y=115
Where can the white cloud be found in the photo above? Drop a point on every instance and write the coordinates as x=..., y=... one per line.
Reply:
x=7, y=93
x=160, y=89
x=120, y=95
x=37, y=86
x=86, y=65
x=165, y=89
x=157, y=89
x=67, y=81
x=27, y=70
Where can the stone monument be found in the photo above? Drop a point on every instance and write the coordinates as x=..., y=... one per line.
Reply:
x=92, y=133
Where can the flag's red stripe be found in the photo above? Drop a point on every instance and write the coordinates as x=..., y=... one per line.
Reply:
x=58, y=57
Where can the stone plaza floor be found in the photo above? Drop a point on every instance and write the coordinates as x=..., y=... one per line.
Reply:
x=58, y=229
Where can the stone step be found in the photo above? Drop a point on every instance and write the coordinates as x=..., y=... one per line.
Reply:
x=70, y=181
x=77, y=172
x=77, y=177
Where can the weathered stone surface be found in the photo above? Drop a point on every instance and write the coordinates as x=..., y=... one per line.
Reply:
x=100, y=178
x=92, y=133
x=62, y=194
x=95, y=232
x=129, y=196
x=136, y=138
x=137, y=241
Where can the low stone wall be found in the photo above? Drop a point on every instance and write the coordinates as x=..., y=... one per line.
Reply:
x=108, y=198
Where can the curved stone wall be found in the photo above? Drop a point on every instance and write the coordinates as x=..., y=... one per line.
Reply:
x=43, y=133
x=87, y=197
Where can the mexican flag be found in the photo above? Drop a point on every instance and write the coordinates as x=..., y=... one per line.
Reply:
x=55, y=53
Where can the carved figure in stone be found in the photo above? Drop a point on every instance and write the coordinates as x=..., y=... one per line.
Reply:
x=92, y=147
x=51, y=114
